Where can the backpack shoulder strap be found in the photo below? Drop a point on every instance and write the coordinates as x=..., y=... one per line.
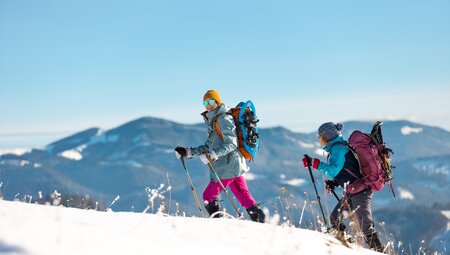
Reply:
x=336, y=143
x=232, y=112
x=216, y=126
x=346, y=144
x=350, y=148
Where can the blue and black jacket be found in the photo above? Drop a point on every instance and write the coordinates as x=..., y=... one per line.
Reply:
x=341, y=162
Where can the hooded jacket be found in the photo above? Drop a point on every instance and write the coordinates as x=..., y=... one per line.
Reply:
x=341, y=161
x=230, y=162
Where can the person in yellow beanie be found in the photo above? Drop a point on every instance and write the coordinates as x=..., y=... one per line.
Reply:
x=224, y=155
x=212, y=94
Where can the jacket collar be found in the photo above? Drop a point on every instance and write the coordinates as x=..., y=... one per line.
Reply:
x=328, y=147
x=209, y=116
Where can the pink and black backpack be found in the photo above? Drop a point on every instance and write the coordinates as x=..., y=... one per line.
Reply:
x=374, y=160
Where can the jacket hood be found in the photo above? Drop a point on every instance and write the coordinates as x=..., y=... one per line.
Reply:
x=328, y=147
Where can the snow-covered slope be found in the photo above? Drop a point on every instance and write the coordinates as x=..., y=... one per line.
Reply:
x=36, y=229
x=438, y=240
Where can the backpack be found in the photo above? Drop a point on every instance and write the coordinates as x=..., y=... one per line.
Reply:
x=247, y=131
x=373, y=157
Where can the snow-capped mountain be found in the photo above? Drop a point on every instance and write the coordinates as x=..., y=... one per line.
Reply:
x=125, y=160
x=133, y=159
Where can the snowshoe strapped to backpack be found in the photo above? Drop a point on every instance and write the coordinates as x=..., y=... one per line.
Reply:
x=373, y=157
x=244, y=116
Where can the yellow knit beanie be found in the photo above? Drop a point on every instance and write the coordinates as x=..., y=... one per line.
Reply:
x=212, y=94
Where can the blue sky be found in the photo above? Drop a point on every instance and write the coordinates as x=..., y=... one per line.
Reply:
x=69, y=65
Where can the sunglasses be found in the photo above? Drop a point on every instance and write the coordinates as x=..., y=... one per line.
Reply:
x=210, y=102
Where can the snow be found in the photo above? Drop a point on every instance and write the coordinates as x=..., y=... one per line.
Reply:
x=15, y=162
x=305, y=145
x=407, y=130
x=300, y=143
x=437, y=240
x=447, y=214
x=134, y=163
x=131, y=163
x=140, y=138
x=100, y=137
x=49, y=230
x=71, y=154
x=168, y=151
x=24, y=162
x=74, y=154
x=320, y=152
x=250, y=176
x=103, y=138
x=405, y=194
x=17, y=151
x=295, y=182
x=433, y=166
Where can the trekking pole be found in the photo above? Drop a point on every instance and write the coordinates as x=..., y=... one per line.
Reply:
x=335, y=195
x=192, y=188
x=317, y=193
x=223, y=187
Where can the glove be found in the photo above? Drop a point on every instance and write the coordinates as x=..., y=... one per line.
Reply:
x=331, y=184
x=307, y=160
x=182, y=152
x=208, y=157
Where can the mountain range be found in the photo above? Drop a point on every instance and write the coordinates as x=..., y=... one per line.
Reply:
x=127, y=165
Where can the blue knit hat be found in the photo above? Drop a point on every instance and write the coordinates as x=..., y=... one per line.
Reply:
x=330, y=130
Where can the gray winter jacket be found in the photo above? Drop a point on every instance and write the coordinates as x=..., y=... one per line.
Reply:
x=230, y=162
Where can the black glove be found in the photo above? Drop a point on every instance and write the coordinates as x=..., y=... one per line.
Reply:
x=182, y=152
x=331, y=184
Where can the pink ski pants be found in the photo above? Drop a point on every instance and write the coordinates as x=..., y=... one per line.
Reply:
x=237, y=185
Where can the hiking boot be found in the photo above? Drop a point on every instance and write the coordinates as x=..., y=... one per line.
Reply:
x=213, y=207
x=374, y=242
x=256, y=214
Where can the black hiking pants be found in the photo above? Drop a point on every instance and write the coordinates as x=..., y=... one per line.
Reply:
x=360, y=208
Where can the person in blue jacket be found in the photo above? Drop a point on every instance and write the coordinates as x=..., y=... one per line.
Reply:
x=342, y=169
